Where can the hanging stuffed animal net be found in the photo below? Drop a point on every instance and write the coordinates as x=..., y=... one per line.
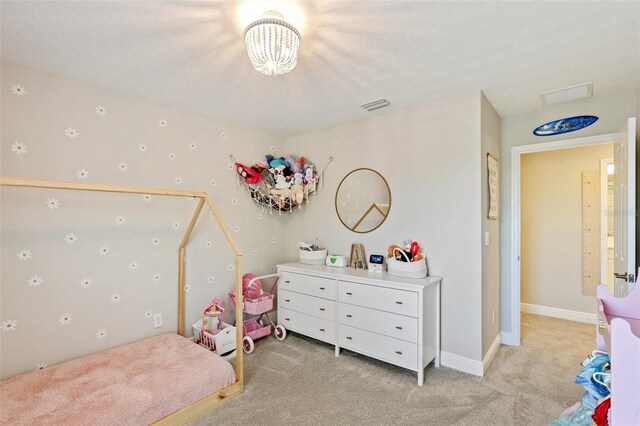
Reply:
x=280, y=184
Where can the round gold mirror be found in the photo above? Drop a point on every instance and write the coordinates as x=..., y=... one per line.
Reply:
x=363, y=200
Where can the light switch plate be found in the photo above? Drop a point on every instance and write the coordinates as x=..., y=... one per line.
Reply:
x=487, y=240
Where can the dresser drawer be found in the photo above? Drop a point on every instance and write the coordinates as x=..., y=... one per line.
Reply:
x=314, y=306
x=381, y=298
x=392, y=325
x=317, y=328
x=305, y=284
x=394, y=351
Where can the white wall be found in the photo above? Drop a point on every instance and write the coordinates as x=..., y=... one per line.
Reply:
x=430, y=155
x=551, y=226
x=517, y=130
x=490, y=143
x=38, y=119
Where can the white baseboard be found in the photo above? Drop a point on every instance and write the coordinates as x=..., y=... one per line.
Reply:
x=558, y=313
x=461, y=363
x=493, y=349
x=509, y=339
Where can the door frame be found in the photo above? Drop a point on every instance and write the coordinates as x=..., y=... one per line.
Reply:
x=513, y=338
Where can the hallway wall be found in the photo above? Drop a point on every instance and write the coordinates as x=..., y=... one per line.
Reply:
x=551, y=235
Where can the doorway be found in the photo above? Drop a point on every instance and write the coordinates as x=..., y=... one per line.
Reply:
x=560, y=236
x=516, y=157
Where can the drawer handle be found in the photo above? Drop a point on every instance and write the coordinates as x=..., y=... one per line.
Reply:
x=322, y=329
x=349, y=316
x=399, y=352
x=349, y=294
x=398, y=302
x=287, y=319
x=287, y=300
x=321, y=288
x=601, y=326
x=287, y=281
x=398, y=327
x=349, y=338
x=322, y=309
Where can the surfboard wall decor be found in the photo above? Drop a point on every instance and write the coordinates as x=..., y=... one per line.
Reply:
x=565, y=125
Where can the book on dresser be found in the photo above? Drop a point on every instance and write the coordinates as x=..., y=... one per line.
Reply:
x=393, y=319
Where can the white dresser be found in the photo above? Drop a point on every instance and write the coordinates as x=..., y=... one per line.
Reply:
x=393, y=319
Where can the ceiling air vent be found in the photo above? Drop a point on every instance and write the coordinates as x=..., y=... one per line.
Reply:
x=566, y=94
x=377, y=104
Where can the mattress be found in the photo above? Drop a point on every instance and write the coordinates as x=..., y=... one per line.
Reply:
x=135, y=384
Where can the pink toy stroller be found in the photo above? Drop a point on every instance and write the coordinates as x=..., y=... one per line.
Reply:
x=256, y=302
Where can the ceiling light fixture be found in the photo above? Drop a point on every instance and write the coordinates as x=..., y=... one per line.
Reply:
x=272, y=44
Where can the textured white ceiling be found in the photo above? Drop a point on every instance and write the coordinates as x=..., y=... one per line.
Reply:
x=191, y=54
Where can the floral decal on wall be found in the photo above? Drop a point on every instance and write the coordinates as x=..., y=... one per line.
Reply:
x=18, y=90
x=24, y=254
x=35, y=281
x=70, y=132
x=103, y=256
x=19, y=148
x=70, y=238
x=9, y=325
x=65, y=319
x=53, y=203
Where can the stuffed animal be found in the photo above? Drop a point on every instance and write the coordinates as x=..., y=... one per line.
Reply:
x=293, y=164
x=309, y=177
x=267, y=177
x=281, y=181
x=250, y=176
x=301, y=162
x=297, y=189
x=275, y=162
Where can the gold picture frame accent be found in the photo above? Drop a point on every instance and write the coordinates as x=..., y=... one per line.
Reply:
x=375, y=207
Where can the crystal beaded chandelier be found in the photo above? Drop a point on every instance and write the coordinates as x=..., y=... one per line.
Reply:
x=272, y=44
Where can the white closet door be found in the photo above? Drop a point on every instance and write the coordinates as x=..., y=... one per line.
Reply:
x=624, y=233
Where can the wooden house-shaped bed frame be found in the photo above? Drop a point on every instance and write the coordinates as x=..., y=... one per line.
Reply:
x=212, y=401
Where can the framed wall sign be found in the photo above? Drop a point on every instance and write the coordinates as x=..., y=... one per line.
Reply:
x=492, y=175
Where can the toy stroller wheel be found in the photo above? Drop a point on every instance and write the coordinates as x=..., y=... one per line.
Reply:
x=247, y=344
x=280, y=332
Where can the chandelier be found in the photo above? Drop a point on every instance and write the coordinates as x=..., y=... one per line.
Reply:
x=272, y=44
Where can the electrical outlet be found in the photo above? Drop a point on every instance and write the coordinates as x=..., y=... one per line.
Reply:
x=157, y=320
x=493, y=317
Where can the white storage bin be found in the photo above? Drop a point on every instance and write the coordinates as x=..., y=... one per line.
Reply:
x=313, y=257
x=407, y=269
x=223, y=342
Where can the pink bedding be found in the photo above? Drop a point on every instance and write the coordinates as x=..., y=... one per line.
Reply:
x=135, y=384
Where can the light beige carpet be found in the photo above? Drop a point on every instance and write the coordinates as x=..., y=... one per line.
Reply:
x=300, y=382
